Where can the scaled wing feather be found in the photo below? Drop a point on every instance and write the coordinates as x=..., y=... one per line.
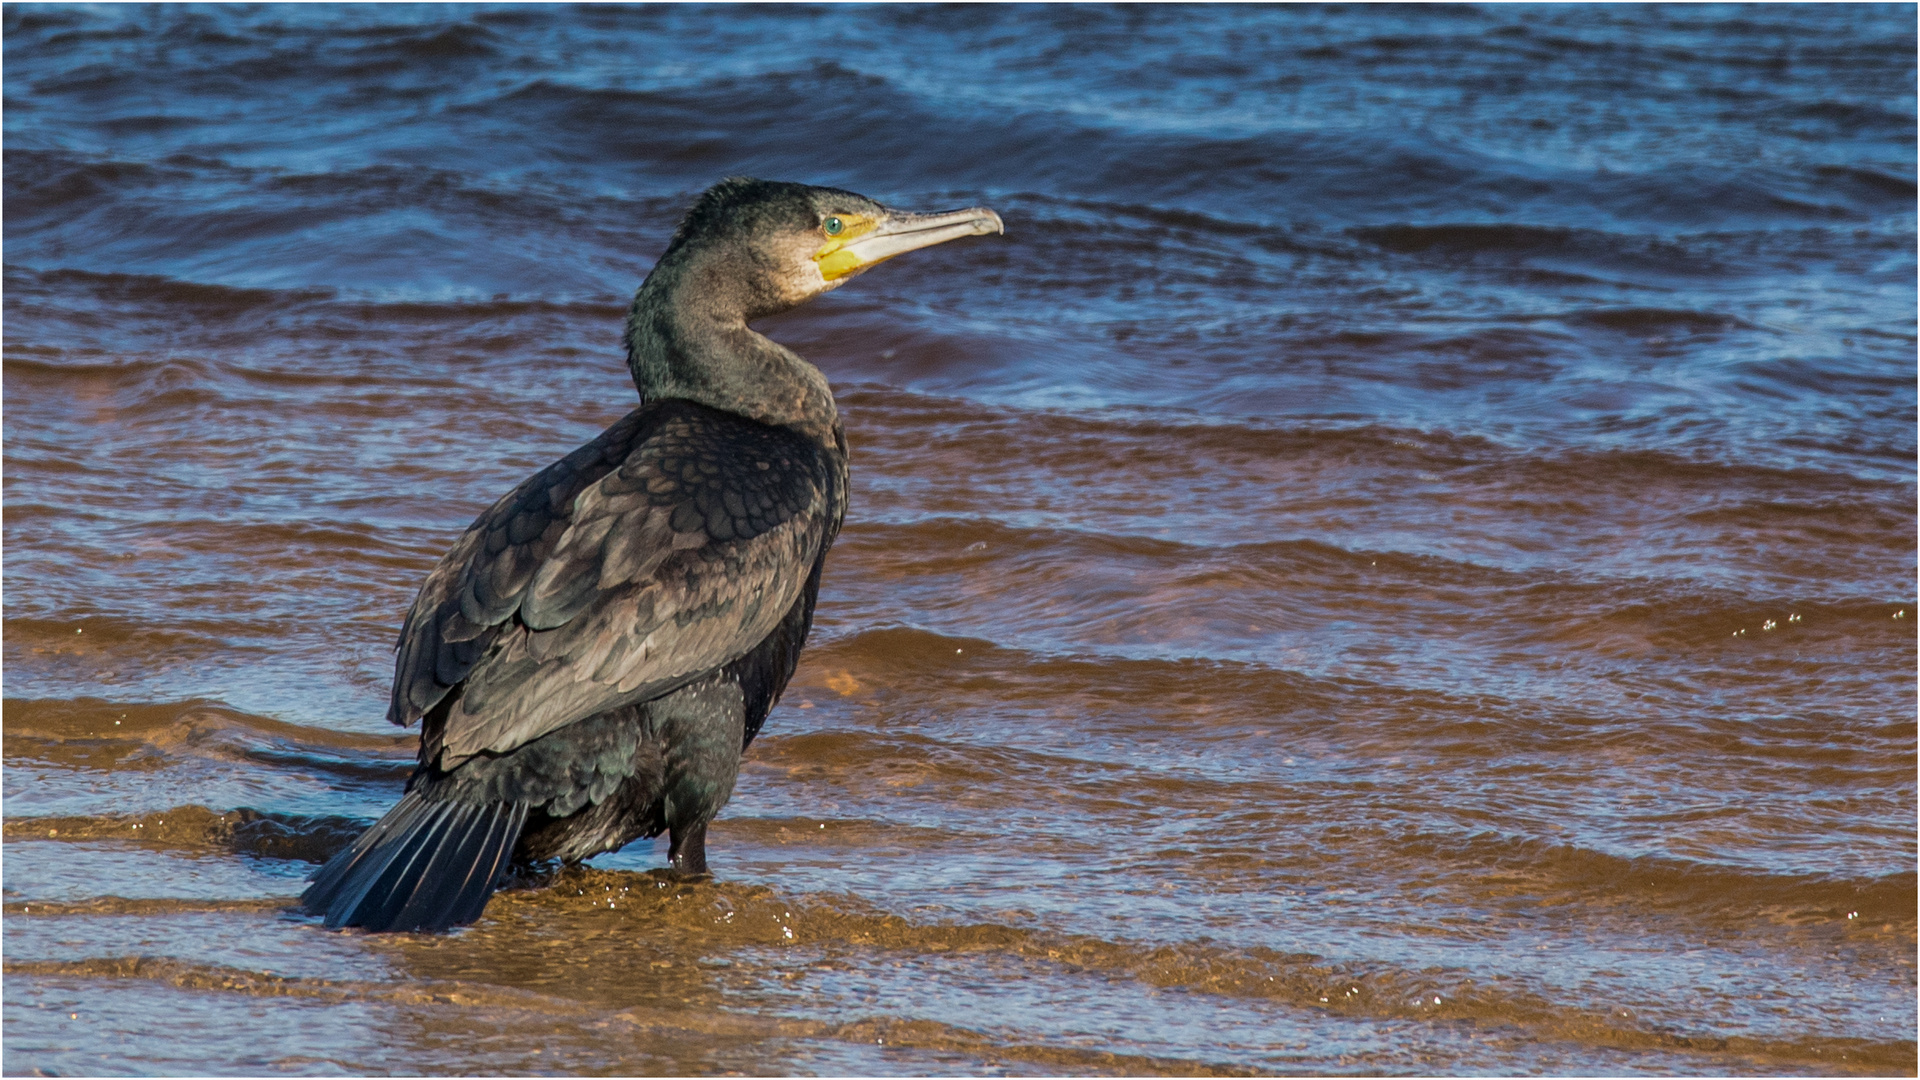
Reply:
x=668, y=546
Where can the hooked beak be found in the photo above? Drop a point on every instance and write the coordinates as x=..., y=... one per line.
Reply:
x=900, y=232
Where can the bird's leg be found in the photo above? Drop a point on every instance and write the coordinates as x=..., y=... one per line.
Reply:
x=687, y=852
x=701, y=729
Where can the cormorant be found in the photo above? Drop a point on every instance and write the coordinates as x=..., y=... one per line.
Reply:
x=592, y=658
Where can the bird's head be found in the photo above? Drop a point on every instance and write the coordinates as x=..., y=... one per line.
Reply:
x=764, y=246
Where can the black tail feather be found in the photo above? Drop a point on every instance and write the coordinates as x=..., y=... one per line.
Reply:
x=425, y=866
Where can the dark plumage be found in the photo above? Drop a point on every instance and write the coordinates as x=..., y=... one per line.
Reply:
x=600, y=646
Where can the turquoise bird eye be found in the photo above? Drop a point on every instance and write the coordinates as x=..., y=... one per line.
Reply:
x=834, y=225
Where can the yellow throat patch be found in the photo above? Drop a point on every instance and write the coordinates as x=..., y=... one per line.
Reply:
x=834, y=261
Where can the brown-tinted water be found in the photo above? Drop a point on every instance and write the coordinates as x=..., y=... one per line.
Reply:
x=1401, y=560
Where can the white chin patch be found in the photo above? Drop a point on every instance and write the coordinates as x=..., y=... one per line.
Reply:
x=817, y=283
x=805, y=280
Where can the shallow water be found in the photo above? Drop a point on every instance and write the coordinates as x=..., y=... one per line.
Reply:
x=1401, y=560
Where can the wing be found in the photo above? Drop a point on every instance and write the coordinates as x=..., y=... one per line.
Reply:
x=670, y=545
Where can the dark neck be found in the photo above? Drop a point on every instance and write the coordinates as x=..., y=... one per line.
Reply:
x=687, y=337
